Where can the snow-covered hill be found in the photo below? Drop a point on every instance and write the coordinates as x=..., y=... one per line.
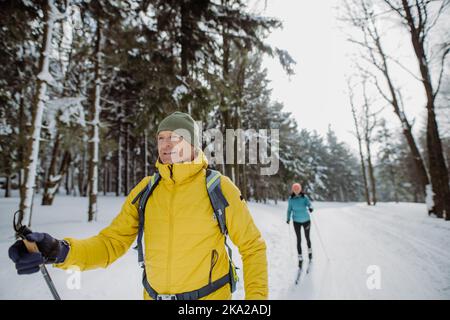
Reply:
x=394, y=246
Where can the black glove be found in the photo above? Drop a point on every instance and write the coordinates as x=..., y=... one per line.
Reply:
x=311, y=210
x=51, y=250
x=287, y=221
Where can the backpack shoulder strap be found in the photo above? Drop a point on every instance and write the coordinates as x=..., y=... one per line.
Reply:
x=143, y=197
x=218, y=201
x=154, y=179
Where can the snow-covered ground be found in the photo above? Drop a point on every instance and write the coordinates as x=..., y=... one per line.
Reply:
x=391, y=251
x=407, y=250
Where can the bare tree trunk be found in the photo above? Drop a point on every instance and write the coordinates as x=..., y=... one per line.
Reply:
x=257, y=189
x=237, y=149
x=371, y=173
x=32, y=151
x=341, y=194
x=368, y=128
x=224, y=103
x=37, y=186
x=52, y=178
x=119, y=162
x=438, y=168
x=105, y=176
x=406, y=126
x=359, y=138
x=393, y=181
x=8, y=187
x=145, y=153
x=133, y=169
x=240, y=153
x=94, y=138
x=22, y=138
x=127, y=158
x=67, y=182
x=244, y=181
x=72, y=182
x=186, y=34
x=55, y=182
x=416, y=196
x=229, y=170
x=110, y=174
x=81, y=174
x=363, y=171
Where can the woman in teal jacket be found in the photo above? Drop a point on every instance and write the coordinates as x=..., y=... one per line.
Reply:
x=298, y=207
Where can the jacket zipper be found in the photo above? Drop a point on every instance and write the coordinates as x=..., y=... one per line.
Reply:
x=169, y=258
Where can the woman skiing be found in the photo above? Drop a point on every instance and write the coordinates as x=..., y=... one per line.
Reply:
x=298, y=207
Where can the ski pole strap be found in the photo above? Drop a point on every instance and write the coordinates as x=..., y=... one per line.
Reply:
x=191, y=295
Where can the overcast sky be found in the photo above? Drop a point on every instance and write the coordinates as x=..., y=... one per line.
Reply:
x=316, y=93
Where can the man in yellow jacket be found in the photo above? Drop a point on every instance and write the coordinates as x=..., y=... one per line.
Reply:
x=184, y=247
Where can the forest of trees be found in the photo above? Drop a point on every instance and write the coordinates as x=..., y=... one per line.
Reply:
x=84, y=84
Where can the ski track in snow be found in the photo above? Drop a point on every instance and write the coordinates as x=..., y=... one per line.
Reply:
x=409, y=248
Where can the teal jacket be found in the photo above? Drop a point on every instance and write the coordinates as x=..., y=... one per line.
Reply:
x=298, y=208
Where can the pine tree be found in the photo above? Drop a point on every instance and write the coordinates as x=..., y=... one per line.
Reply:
x=386, y=163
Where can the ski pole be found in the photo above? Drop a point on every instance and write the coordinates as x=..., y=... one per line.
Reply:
x=320, y=238
x=290, y=238
x=22, y=231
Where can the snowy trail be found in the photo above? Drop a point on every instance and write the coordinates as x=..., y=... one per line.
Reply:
x=410, y=250
x=408, y=247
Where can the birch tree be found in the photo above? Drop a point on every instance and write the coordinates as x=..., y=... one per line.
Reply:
x=43, y=79
x=94, y=113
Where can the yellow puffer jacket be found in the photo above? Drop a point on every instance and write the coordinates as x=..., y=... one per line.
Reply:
x=180, y=235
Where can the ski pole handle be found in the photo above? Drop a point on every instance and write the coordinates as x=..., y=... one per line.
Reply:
x=31, y=246
x=22, y=231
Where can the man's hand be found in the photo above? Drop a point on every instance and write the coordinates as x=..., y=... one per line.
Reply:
x=287, y=221
x=51, y=250
x=311, y=210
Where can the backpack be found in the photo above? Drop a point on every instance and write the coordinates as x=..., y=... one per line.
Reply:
x=218, y=203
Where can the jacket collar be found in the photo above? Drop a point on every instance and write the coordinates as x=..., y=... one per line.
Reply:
x=181, y=172
x=301, y=194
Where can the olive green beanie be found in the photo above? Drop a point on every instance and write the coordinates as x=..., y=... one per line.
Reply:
x=183, y=124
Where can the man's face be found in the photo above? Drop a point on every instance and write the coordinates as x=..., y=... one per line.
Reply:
x=172, y=148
